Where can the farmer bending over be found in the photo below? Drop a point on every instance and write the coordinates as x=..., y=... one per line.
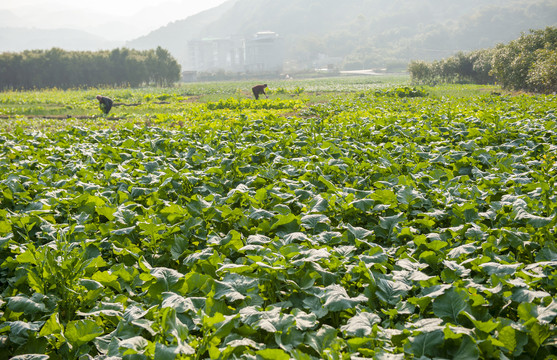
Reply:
x=258, y=90
x=105, y=104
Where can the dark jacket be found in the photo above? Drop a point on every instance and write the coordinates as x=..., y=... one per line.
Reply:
x=105, y=104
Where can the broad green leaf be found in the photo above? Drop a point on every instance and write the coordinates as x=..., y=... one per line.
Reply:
x=521, y=295
x=460, y=270
x=449, y=305
x=19, y=331
x=535, y=221
x=273, y=354
x=391, y=291
x=312, y=255
x=363, y=204
x=304, y=321
x=321, y=339
x=539, y=333
x=318, y=204
x=387, y=197
x=235, y=287
x=166, y=277
x=330, y=186
x=234, y=268
x=123, y=231
x=468, y=350
x=177, y=302
x=30, y=357
x=361, y=325
x=271, y=320
x=548, y=253
x=462, y=250
x=290, y=222
x=82, y=331
x=314, y=306
x=475, y=233
x=358, y=232
x=492, y=268
x=52, y=326
x=258, y=239
x=29, y=306
x=407, y=195
x=544, y=315
x=164, y=352
x=106, y=211
x=136, y=343
x=389, y=222
x=312, y=221
x=436, y=245
x=106, y=279
x=28, y=257
x=425, y=344
x=484, y=326
x=258, y=214
x=512, y=339
x=336, y=298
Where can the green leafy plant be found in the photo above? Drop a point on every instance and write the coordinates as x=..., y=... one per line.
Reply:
x=369, y=225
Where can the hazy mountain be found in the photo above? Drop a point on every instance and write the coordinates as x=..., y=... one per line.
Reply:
x=362, y=32
x=17, y=39
x=175, y=35
x=9, y=19
x=114, y=23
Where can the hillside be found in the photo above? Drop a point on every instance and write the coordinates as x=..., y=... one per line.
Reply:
x=18, y=39
x=364, y=33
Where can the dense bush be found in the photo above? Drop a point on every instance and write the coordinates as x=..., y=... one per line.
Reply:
x=527, y=63
x=543, y=73
x=62, y=69
x=474, y=67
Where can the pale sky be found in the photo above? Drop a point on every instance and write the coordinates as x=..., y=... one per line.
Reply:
x=112, y=19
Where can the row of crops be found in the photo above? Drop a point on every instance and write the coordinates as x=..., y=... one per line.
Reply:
x=373, y=225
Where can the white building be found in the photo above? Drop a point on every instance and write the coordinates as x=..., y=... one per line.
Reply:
x=261, y=54
x=216, y=54
x=264, y=53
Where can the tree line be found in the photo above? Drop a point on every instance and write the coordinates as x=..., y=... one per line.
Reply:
x=528, y=63
x=57, y=68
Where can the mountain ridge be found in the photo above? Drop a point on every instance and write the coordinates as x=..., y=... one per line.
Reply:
x=357, y=30
x=20, y=39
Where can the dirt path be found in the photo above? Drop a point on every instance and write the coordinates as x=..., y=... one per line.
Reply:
x=61, y=117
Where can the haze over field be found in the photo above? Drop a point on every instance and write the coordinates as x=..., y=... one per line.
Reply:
x=112, y=21
x=349, y=35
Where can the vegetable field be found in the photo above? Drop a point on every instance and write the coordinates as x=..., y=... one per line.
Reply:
x=333, y=221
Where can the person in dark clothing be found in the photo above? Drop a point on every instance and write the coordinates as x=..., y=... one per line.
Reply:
x=258, y=90
x=105, y=103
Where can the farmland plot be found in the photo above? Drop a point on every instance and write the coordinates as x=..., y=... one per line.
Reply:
x=381, y=224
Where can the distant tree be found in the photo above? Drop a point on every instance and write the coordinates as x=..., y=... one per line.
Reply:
x=420, y=72
x=527, y=63
x=457, y=69
x=162, y=67
x=481, y=60
x=513, y=62
x=62, y=69
x=542, y=76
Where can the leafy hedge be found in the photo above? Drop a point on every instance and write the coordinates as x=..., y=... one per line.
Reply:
x=528, y=63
